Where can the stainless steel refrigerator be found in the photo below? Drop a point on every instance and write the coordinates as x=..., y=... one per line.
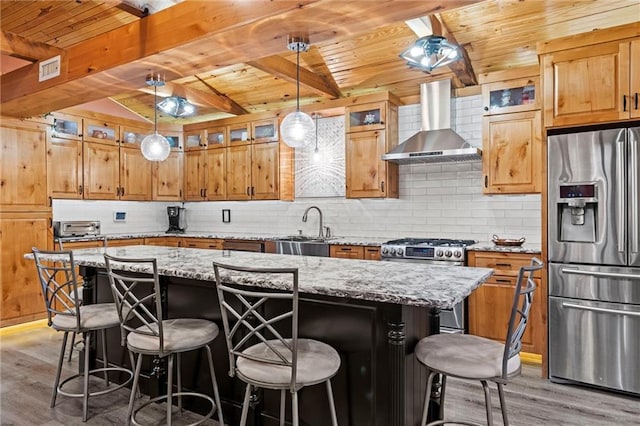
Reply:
x=594, y=257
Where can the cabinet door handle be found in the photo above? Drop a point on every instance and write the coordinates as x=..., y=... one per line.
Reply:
x=503, y=281
x=80, y=189
x=486, y=181
x=486, y=108
x=345, y=248
x=253, y=192
x=382, y=186
x=50, y=201
x=636, y=100
x=624, y=102
x=122, y=191
x=248, y=191
x=504, y=265
x=180, y=193
x=205, y=192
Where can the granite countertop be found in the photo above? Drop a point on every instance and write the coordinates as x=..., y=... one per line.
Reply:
x=528, y=248
x=392, y=282
x=354, y=241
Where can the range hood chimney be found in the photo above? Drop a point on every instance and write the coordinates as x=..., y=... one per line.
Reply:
x=435, y=142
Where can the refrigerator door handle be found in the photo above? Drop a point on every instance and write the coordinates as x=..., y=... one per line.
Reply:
x=570, y=271
x=603, y=310
x=633, y=190
x=620, y=194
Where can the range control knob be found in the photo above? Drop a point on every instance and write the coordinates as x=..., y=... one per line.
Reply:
x=439, y=253
x=448, y=253
x=457, y=254
x=392, y=251
x=399, y=252
x=385, y=250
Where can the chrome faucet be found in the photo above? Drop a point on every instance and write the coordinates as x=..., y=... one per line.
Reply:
x=304, y=218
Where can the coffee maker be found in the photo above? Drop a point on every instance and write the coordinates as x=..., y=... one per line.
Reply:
x=177, y=219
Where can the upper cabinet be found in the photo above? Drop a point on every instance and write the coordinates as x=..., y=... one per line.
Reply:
x=66, y=126
x=511, y=153
x=64, y=168
x=134, y=135
x=260, y=131
x=194, y=140
x=23, y=160
x=101, y=131
x=366, y=117
x=586, y=81
x=511, y=96
x=217, y=137
x=511, y=132
x=371, y=131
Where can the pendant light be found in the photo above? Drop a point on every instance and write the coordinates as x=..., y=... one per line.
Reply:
x=431, y=52
x=316, y=153
x=155, y=147
x=297, y=127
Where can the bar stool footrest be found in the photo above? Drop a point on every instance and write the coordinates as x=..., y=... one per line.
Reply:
x=102, y=392
x=453, y=422
x=164, y=397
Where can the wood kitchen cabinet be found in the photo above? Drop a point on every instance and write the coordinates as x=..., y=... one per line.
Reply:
x=135, y=174
x=258, y=131
x=125, y=242
x=23, y=164
x=511, y=153
x=101, y=171
x=21, y=291
x=253, y=171
x=372, y=130
x=490, y=304
x=64, y=168
x=168, y=178
x=591, y=78
x=66, y=126
x=205, y=175
x=503, y=97
x=163, y=241
x=354, y=252
x=203, y=243
x=105, y=132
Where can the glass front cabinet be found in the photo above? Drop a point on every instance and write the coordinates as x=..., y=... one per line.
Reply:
x=365, y=117
x=66, y=127
x=511, y=96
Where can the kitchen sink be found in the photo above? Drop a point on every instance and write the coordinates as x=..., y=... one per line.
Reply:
x=302, y=246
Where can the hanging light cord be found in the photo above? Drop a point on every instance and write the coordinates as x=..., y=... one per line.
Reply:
x=316, y=150
x=155, y=109
x=298, y=77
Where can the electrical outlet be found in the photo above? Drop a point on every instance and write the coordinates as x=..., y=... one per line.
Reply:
x=119, y=216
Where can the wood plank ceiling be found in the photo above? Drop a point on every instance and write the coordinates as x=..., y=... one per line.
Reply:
x=234, y=54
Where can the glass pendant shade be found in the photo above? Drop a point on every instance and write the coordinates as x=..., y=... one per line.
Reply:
x=431, y=52
x=155, y=147
x=296, y=129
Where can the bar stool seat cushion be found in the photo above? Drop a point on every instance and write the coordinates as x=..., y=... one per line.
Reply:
x=464, y=355
x=92, y=317
x=180, y=335
x=317, y=362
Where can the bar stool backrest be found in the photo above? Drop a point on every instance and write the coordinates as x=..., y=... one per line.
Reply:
x=247, y=320
x=59, y=285
x=137, y=297
x=520, y=309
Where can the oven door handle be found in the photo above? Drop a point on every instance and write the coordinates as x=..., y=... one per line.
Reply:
x=570, y=271
x=603, y=310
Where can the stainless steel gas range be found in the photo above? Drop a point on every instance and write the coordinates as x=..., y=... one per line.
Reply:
x=434, y=251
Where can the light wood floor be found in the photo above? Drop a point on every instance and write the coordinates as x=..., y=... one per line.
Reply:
x=27, y=368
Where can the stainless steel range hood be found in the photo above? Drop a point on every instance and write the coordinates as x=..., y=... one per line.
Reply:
x=436, y=142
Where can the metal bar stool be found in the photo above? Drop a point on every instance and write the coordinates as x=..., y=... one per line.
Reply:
x=275, y=362
x=146, y=332
x=476, y=358
x=78, y=294
x=66, y=313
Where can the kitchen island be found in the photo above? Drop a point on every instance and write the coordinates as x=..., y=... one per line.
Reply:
x=372, y=312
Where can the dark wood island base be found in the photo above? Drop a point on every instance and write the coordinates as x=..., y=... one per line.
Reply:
x=379, y=382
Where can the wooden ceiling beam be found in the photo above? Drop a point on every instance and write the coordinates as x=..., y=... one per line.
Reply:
x=140, y=13
x=21, y=47
x=462, y=69
x=234, y=107
x=286, y=70
x=225, y=33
